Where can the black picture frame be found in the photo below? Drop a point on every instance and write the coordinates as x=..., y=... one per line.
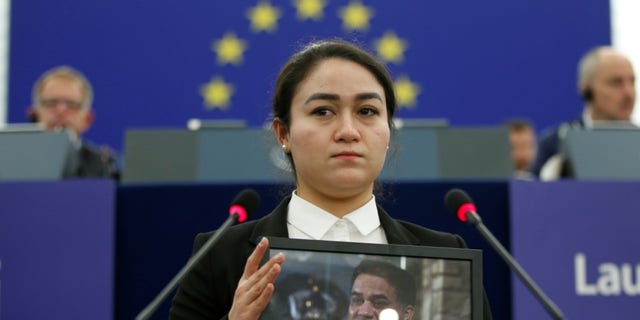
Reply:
x=316, y=278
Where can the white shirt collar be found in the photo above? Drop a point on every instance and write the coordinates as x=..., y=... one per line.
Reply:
x=587, y=119
x=316, y=222
x=365, y=218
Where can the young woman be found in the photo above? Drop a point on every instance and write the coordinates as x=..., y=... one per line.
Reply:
x=333, y=107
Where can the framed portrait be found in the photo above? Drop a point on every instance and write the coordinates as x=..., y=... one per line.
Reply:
x=345, y=280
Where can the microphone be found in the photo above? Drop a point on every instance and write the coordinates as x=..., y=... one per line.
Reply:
x=461, y=205
x=244, y=204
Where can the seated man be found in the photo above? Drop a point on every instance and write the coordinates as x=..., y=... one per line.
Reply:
x=522, y=138
x=61, y=100
x=606, y=82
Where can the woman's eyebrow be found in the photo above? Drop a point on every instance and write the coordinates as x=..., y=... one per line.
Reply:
x=335, y=97
x=368, y=95
x=323, y=96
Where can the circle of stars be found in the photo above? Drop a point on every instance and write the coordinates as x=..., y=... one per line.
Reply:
x=264, y=17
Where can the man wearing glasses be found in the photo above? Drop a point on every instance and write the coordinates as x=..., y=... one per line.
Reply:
x=61, y=100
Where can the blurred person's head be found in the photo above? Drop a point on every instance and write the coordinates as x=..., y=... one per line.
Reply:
x=61, y=99
x=522, y=138
x=378, y=286
x=606, y=81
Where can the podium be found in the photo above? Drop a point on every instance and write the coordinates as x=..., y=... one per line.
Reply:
x=436, y=153
x=144, y=264
x=576, y=238
x=57, y=249
x=35, y=155
x=604, y=154
x=250, y=155
x=225, y=155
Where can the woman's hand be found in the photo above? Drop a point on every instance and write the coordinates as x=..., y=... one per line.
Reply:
x=255, y=288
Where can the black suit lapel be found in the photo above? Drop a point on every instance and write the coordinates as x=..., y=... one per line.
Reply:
x=394, y=231
x=272, y=225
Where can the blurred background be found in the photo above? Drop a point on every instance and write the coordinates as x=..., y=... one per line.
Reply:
x=160, y=63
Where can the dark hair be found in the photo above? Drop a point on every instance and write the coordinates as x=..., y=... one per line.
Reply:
x=401, y=280
x=518, y=125
x=303, y=62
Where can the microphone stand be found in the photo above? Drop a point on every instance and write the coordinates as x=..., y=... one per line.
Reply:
x=549, y=306
x=151, y=307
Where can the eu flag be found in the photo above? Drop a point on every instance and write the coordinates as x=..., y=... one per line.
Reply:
x=160, y=63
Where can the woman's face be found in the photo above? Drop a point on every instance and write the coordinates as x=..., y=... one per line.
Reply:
x=339, y=133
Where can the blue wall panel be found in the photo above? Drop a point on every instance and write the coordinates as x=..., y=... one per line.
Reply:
x=476, y=62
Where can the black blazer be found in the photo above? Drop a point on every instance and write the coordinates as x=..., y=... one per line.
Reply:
x=91, y=161
x=550, y=143
x=207, y=292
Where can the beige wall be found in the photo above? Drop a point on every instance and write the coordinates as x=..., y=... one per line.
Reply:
x=4, y=59
x=624, y=26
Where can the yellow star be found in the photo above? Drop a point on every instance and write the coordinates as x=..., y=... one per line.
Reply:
x=356, y=16
x=391, y=48
x=217, y=93
x=264, y=17
x=406, y=92
x=230, y=49
x=309, y=9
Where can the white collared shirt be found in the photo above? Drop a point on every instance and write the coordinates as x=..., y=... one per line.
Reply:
x=586, y=118
x=307, y=221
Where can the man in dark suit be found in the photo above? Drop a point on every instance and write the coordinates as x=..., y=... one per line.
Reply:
x=61, y=100
x=606, y=83
x=522, y=138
